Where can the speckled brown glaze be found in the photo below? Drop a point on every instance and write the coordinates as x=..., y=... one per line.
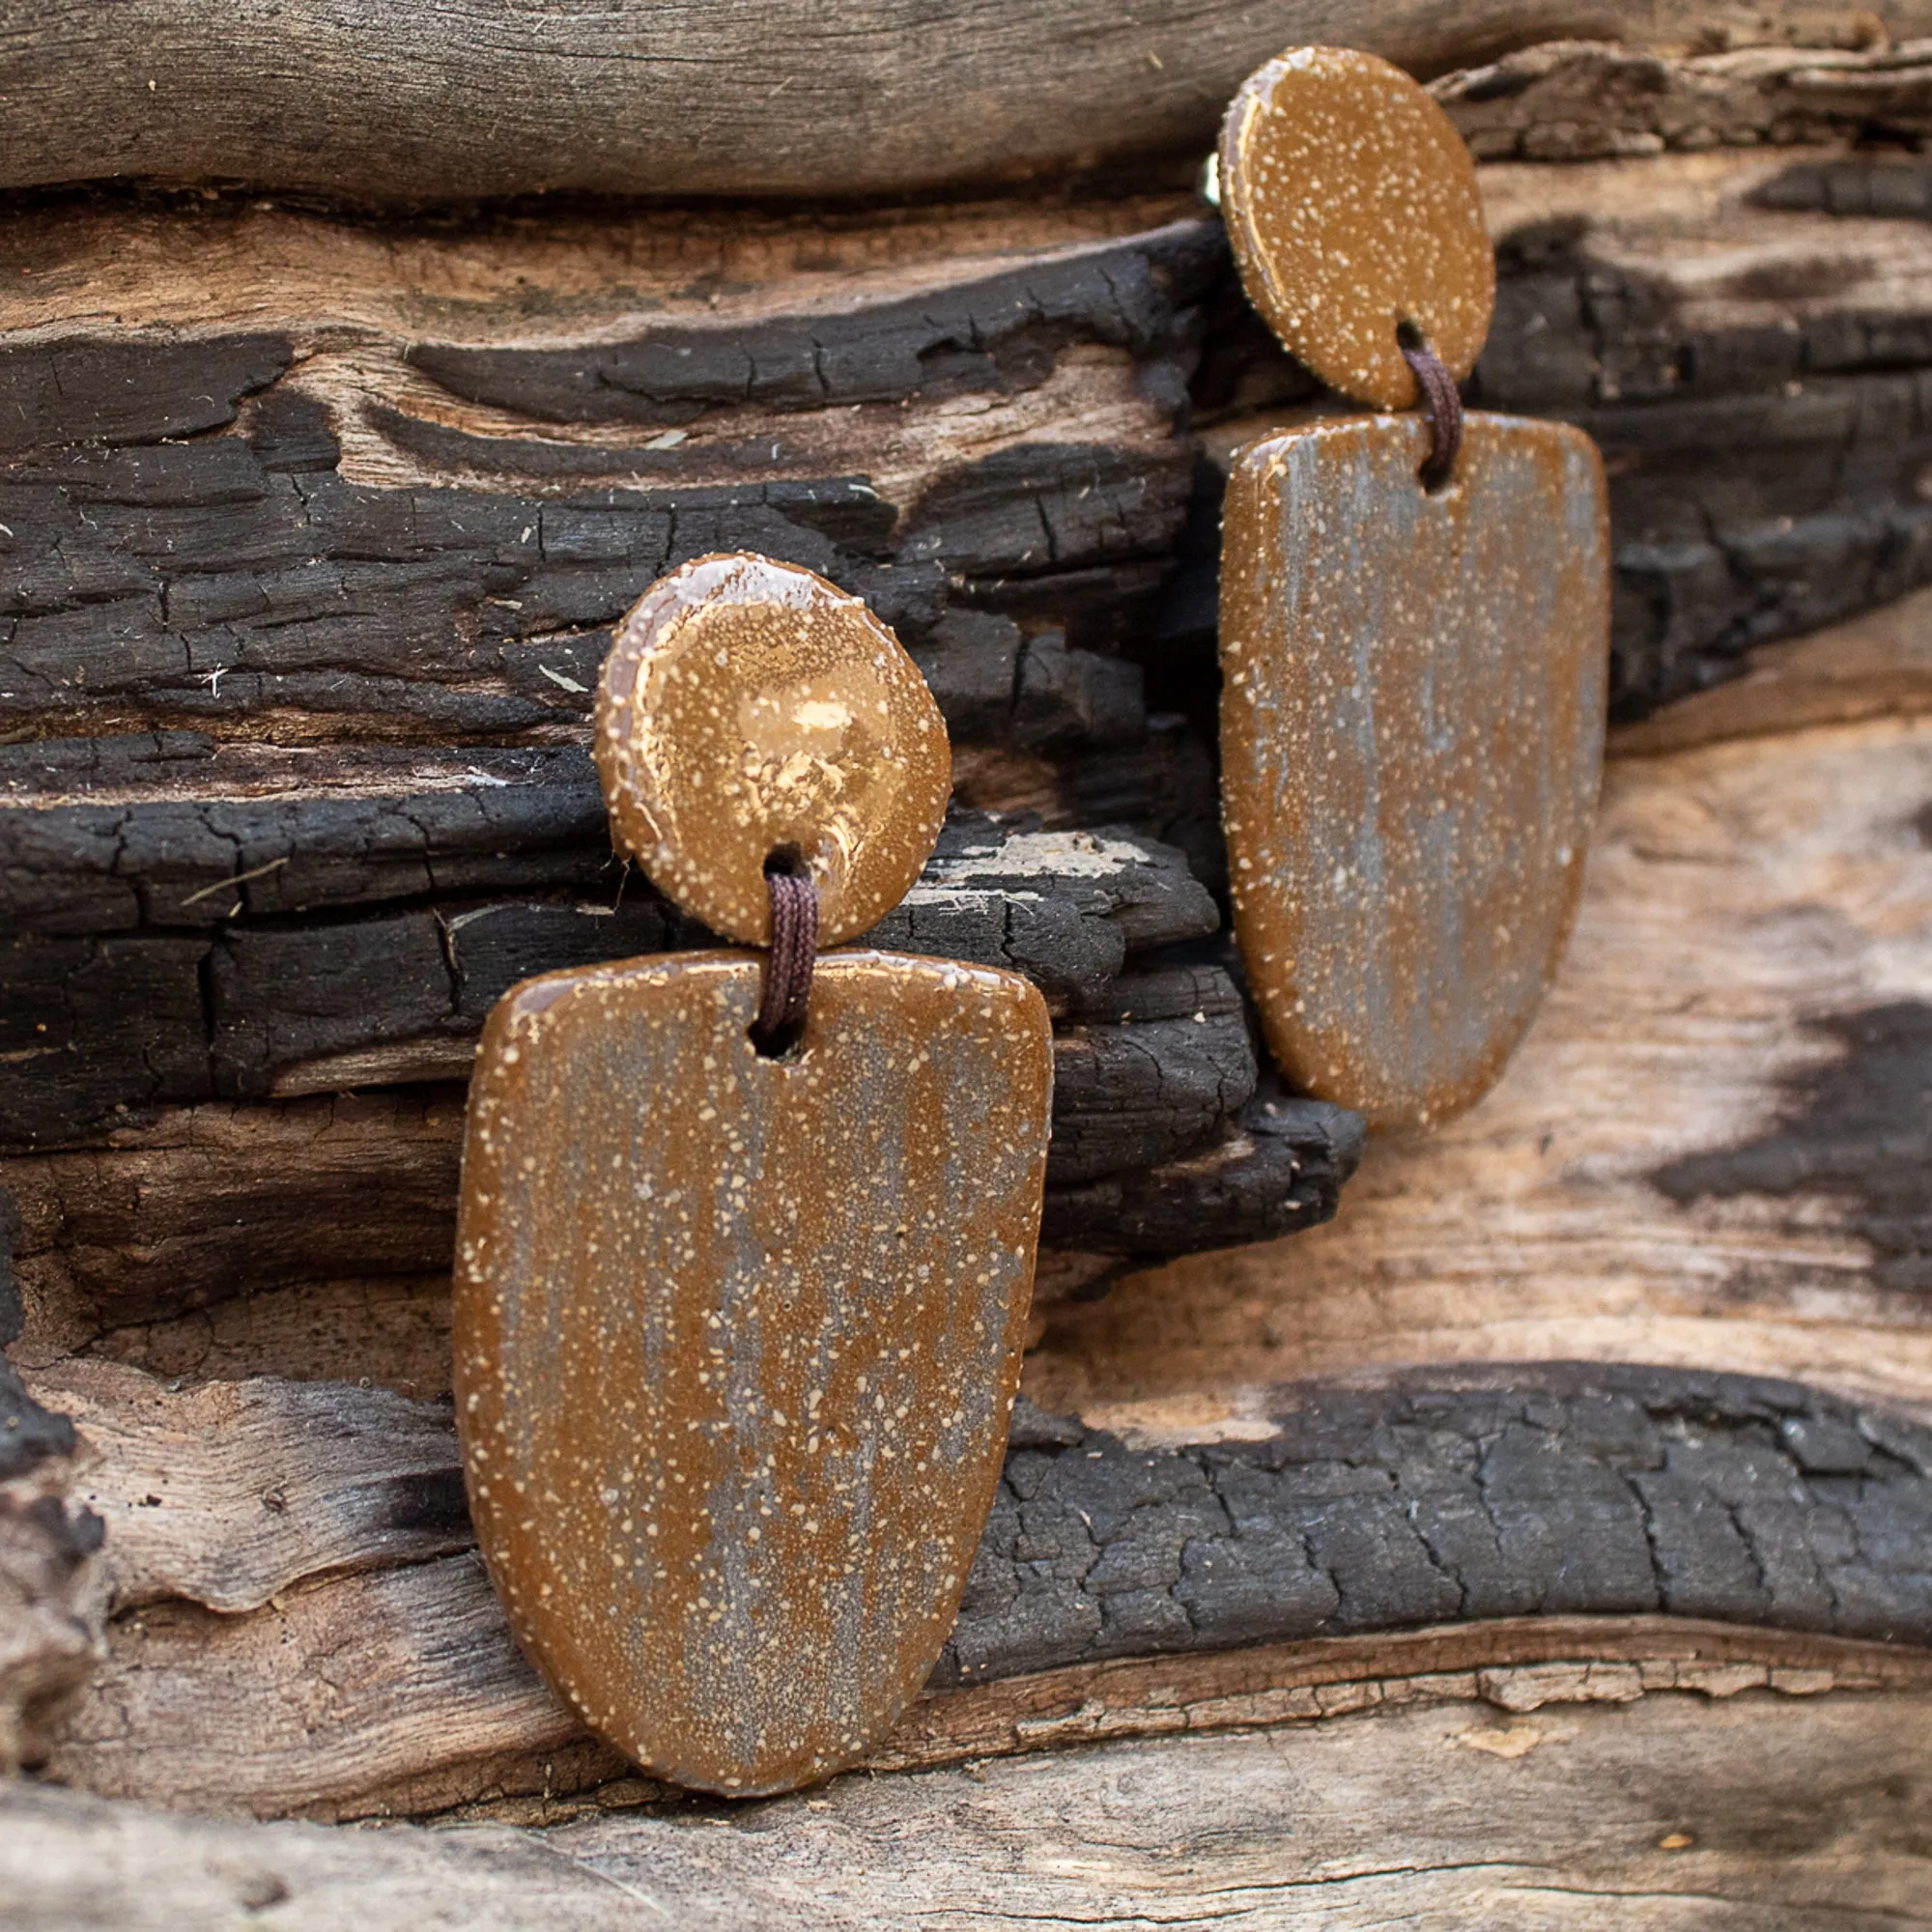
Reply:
x=749, y=707
x=1411, y=737
x=1352, y=206
x=736, y=1339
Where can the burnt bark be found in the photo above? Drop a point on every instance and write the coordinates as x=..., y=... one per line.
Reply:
x=1534, y=1488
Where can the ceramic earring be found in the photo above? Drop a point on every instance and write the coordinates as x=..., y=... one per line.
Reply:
x=738, y=1319
x=1415, y=624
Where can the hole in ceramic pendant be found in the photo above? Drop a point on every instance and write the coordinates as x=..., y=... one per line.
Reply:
x=785, y=862
x=786, y=1044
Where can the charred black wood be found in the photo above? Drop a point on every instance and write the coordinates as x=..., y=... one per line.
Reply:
x=1000, y=332
x=202, y=1206
x=1764, y=479
x=1532, y=1488
x=1417, y=1497
x=1855, y=1130
x=1150, y=1073
x=1277, y=1167
x=243, y=574
x=296, y=966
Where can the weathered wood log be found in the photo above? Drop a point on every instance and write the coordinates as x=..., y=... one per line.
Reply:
x=1580, y=101
x=1682, y=1145
x=276, y=905
x=1610, y=314
x=1749, y=952
x=340, y=703
x=1788, y=1814
x=1712, y=1148
x=410, y=531
x=320, y=1520
x=746, y=99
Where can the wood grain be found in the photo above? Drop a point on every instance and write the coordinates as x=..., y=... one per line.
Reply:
x=1754, y=1814
x=1710, y=1148
x=380, y=103
x=403, y=956
x=166, y=570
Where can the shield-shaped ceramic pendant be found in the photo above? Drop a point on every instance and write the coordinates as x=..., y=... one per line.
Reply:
x=736, y=1339
x=1411, y=736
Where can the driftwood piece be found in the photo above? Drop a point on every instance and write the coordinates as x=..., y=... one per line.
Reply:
x=411, y=104
x=925, y=403
x=281, y=903
x=1712, y=1148
x=51, y=1602
x=333, y=1517
x=1793, y=1814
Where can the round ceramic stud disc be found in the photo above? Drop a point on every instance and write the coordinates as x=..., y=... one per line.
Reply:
x=1352, y=203
x=749, y=708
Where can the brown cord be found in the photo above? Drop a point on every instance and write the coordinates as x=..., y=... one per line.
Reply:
x=1443, y=408
x=789, y=966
